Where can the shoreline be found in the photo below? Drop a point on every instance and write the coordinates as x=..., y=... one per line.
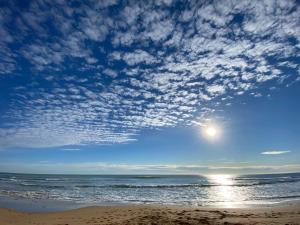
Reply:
x=156, y=214
x=27, y=205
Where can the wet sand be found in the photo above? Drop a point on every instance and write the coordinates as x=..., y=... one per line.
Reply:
x=155, y=215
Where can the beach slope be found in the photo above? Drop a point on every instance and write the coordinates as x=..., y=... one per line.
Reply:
x=153, y=214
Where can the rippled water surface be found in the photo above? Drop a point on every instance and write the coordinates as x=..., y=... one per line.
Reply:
x=214, y=190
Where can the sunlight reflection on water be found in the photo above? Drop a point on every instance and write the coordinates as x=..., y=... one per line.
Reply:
x=225, y=193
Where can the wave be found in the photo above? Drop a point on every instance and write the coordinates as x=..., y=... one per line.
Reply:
x=276, y=182
x=266, y=178
x=146, y=177
x=41, y=185
x=64, y=183
x=53, y=179
x=181, y=185
x=277, y=197
x=162, y=186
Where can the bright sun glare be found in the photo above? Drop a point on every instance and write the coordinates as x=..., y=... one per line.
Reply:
x=211, y=132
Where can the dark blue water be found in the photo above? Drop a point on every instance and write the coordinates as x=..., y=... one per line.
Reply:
x=215, y=190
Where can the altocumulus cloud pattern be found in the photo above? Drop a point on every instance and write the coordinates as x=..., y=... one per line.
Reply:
x=98, y=72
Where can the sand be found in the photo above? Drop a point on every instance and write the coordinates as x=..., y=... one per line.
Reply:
x=154, y=214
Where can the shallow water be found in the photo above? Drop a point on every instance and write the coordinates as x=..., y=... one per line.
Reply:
x=215, y=190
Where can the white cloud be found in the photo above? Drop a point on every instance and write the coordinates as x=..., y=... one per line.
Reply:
x=274, y=152
x=159, y=31
x=111, y=73
x=216, y=89
x=139, y=56
x=70, y=149
x=110, y=168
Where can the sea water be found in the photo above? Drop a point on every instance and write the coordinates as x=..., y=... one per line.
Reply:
x=192, y=190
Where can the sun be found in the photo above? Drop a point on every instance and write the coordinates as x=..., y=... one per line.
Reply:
x=211, y=131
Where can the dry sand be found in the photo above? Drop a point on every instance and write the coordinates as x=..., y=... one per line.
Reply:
x=150, y=215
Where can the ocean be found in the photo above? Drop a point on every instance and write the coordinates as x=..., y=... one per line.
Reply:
x=191, y=190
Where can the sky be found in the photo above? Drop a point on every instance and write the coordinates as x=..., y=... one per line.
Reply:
x=106, y=87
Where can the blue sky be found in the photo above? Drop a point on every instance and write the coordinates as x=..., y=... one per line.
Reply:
x=130, y=87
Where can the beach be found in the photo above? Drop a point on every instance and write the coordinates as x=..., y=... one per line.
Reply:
x=156, y=214
x=149, y=199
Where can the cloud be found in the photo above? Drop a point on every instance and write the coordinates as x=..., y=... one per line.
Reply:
x=216, y=89
x=101, y=73
x=139, y=56
x=70, y=149
x=274, y=152
x=110, y=168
